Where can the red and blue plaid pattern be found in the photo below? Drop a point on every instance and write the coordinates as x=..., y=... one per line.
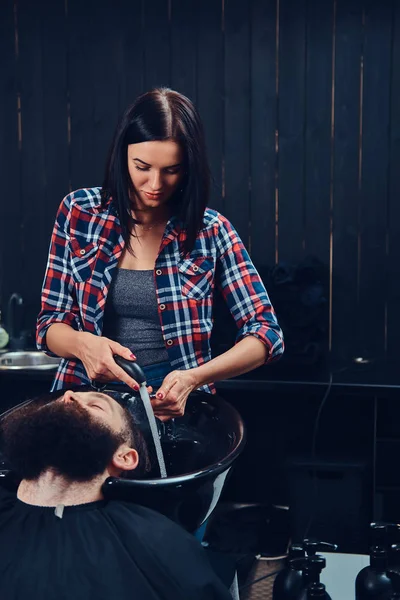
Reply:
x=85, y=247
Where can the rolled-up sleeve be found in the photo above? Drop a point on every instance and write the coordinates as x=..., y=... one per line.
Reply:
x=57, y=301
x=245, y=293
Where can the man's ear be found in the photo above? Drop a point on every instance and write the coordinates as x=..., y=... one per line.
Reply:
x=125, y=458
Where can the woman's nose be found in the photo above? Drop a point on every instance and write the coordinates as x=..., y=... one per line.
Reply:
x=155, y=182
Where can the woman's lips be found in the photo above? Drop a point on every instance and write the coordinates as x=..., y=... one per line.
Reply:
x=153, y=196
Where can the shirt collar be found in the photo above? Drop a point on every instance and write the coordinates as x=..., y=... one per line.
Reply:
x=173, y=228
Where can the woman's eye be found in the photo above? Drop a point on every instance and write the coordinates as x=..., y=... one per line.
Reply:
x=141, y=168
x=175, y=172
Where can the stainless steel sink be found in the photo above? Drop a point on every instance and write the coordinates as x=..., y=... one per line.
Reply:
x=27, y=361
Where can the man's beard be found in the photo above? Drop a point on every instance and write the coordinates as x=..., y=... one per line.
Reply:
x=61, y=436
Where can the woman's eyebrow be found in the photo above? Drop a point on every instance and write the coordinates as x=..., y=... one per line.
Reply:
x=148, y=165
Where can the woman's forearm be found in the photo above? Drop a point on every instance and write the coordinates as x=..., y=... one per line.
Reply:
x=63, y=340
x=246, y=355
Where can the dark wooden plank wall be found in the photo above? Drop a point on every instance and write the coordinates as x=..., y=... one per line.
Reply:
x=299, y=100
x=291, y=124
x=10, y=157
x=346, y=166
x=393, y=280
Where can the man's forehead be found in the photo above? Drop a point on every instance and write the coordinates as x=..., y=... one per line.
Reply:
x=105, y=397
x=114, y=402
x=94, y=395
x=99, y=395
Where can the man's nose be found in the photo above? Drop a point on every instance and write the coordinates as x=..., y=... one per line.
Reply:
x=68, y=396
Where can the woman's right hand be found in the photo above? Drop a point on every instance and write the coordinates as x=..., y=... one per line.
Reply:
x=96, y=353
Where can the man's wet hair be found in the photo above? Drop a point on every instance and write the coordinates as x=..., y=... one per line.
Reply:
x=135, y=439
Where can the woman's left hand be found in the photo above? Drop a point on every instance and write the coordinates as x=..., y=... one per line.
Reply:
x=170, y=399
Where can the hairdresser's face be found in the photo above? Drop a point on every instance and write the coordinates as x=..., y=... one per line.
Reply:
x=156, y=170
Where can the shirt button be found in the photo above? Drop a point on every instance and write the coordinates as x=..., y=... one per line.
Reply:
x=158, y=272
x=82, y=252
x=162, y=306
x=195, y=268
x=169, y=342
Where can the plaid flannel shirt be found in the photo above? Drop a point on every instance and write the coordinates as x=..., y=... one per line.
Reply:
x=85, y=247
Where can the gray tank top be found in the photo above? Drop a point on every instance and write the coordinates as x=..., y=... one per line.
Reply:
x=131, y=316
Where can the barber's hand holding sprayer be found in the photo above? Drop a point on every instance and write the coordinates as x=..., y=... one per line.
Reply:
x=96, y=354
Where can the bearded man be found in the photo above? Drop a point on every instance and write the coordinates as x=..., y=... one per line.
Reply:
x=61, y=539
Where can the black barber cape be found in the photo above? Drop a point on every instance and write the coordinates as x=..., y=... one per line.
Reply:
x=105, y=550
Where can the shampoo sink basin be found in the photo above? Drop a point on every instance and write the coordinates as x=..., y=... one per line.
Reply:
x=199, y=450
x=27, y=361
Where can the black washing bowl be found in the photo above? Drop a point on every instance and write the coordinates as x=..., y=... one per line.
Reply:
x=199, y=450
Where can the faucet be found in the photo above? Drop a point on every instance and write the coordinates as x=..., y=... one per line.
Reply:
x=17, y=340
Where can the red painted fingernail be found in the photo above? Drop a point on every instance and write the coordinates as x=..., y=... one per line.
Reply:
x=136, y=388
x=133, y=356
x=160, y=396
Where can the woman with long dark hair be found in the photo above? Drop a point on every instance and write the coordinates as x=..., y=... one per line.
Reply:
x=133, y=267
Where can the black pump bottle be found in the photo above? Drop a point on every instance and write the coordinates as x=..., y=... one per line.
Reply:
x=294, y=578
x=311, y=547
x=314, y=589
x=289, y=582
x=395, y=579
x=317, y=590
x=373, y=582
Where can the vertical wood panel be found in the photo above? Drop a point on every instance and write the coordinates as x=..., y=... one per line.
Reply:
x=9, y=88
x=263, y=128
x=183, y=47
x=81, y=41
x=10, y=199
x=345, y=177
x=292, y=35
x=237, y=116
x=393, y=312
x=318, y=129
x=210, y=86
x=51, y=45
x=131, y=48
x=94, y=87
x=157, y=44
x=55, y=109
x=33, y=173
x=374, y=183
x=105, y=80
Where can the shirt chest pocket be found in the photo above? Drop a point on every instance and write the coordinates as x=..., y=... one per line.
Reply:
x=83, y=258
x=196, y=277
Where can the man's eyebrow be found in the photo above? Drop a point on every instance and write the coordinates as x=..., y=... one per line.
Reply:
x=112, y=403
x=101, y=396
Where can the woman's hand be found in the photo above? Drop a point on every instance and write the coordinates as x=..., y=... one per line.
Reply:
x=96, y=353
x=170, y=399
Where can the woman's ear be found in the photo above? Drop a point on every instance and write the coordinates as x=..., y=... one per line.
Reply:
x=125, y=459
